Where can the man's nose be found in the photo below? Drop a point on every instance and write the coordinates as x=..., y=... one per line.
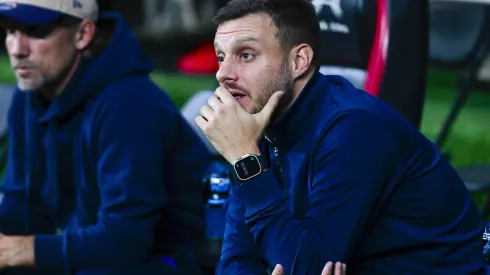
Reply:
x=18, y=44
x=227, y=71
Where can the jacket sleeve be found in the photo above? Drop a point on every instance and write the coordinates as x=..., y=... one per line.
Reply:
x=239, y=254
x=352, y=167
x=13, y=214
x=13, y=185
x=130, y=148
x=12, y=207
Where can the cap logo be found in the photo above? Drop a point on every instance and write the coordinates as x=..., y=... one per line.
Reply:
x=77, y=4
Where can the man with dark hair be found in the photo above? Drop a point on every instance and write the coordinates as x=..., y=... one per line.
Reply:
x=323, y=171
x=103, y=174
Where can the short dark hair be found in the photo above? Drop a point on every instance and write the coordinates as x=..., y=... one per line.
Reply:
x=295, y=20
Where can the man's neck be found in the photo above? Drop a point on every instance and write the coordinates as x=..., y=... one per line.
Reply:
x=300, y=84
x=298, y=87
x=56, y=88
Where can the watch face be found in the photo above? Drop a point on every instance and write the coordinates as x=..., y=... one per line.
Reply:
x=247, y=167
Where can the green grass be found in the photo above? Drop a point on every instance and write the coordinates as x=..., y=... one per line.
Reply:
x=181, y=87
x=6, y=74
x=468, y=143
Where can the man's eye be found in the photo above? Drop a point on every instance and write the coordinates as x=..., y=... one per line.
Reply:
x=247, y=56
x=42, y=31
x=220, y=59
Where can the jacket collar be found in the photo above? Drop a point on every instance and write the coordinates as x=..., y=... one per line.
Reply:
x=293, y=123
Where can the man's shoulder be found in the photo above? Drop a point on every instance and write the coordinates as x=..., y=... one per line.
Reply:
x=355, y=117
x=137, y=87
x=336, y=100
x=136, y=94
x=357, y=125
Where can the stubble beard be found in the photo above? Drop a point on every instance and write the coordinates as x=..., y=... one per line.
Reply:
x=282, y=82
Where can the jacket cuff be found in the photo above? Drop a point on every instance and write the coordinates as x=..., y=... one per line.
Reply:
x=260, y=191
x=48, y=251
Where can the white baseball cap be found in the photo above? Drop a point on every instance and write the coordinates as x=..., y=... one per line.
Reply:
x=36, y=12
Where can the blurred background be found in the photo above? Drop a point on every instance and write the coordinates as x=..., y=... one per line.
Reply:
x=427, y=58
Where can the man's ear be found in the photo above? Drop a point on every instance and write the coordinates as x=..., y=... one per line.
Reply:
x=85, y=34
x=301, y=58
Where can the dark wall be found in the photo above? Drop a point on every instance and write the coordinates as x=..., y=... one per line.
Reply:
x=132, y=10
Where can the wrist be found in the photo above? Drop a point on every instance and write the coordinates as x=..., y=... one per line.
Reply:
x=249, y=150
x=25, y=255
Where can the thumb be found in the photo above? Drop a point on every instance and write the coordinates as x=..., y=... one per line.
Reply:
x=264, y=116
x=278, y=270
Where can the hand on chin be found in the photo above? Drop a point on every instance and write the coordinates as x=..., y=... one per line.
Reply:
x=232, y=130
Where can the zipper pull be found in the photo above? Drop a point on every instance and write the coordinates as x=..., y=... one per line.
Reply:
x=269, y=140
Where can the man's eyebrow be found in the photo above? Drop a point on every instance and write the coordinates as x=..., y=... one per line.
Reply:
x=237, y=42
x=246, y=39
x=240, y=41
x=216, y=47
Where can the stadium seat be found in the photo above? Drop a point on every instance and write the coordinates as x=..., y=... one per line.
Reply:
x=459, y=41
x=380, y=46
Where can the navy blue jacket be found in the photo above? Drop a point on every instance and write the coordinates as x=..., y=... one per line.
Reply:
x=107, y=173
x=358, y=185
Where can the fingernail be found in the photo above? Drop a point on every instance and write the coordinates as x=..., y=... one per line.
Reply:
x=280, y=94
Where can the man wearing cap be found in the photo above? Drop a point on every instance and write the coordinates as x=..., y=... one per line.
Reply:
x=103, y=173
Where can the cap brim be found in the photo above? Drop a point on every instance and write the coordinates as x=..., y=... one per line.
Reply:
x=27, y=14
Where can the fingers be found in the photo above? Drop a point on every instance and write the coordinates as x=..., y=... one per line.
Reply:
x=224, y=95
x=340, y=269
x=337, y=269
x=327, y=269
x=201, y=122
x=206, y=112
x=214, y=102
x=278, y=270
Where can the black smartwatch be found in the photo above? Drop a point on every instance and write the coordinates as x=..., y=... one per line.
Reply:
x=247, y=167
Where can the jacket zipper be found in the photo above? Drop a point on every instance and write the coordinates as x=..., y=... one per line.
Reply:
x=277, y=165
